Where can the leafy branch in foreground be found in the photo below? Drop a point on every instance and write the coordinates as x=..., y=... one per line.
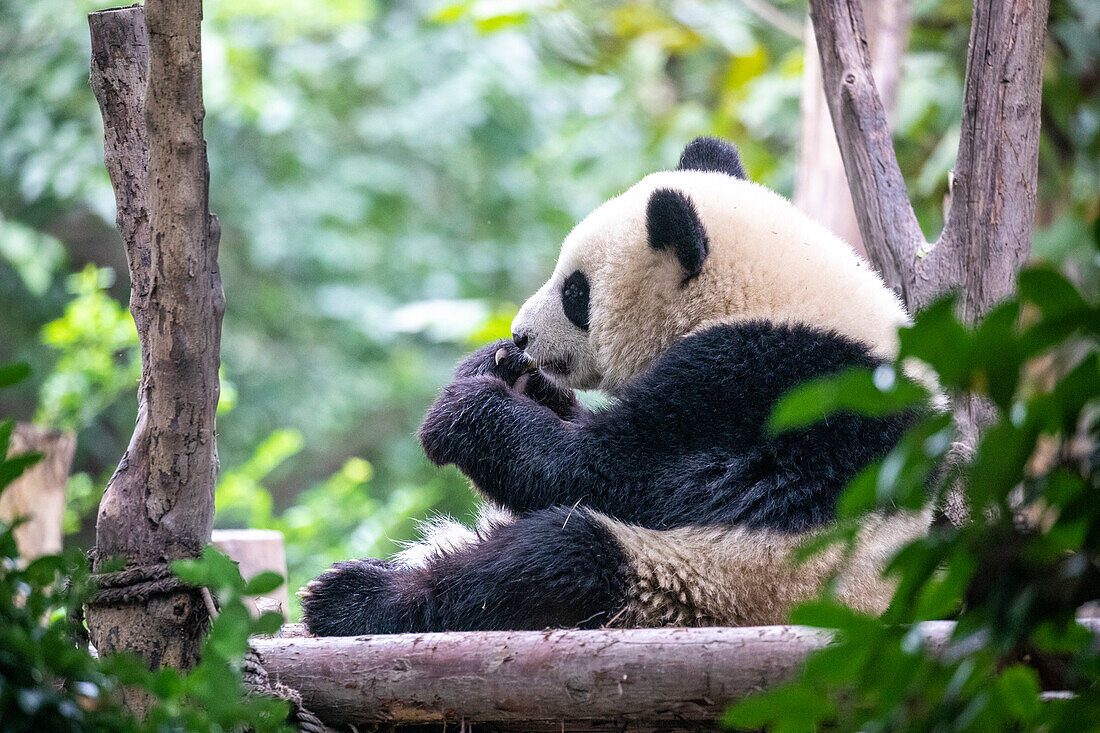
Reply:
x=1014, y=577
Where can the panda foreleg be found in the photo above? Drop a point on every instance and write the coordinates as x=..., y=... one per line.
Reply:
x=555, y=568
x=510, y=447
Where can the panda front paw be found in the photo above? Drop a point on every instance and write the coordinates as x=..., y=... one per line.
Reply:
x=500, y=359
x=459, y=425
x=355, y=597
x=505, y=361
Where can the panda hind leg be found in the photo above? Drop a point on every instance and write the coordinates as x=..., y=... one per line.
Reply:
x=553, y=568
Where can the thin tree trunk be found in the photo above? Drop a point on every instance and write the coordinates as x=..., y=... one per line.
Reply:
x=159, y=504
x=891, y=235
x=987, y=237
x=821, y=187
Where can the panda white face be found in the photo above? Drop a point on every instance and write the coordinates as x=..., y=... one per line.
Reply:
x=686, y=249
x=619, y=291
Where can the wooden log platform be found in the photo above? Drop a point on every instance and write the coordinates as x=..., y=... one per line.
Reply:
x=596, y=680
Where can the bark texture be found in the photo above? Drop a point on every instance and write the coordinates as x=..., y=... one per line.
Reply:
x=987, y=237
x=891, y=236
x=159, y=505
x=988, y=232
x=821, y=187
x=554, y=680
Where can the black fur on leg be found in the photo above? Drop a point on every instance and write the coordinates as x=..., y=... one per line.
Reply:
x=559, y=567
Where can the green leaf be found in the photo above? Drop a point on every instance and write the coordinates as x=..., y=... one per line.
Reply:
x=229, y=632
x=1055, y=296
x=789, y=708
x=269, y=623
x=860, y=495
x=999, y=466
x=862, y=391
x=826, y=614
x=215, y=571
x=998, y=358
x=192, y=572
x=1018, y=690
x=14, y=373
x=13, y=468
x=938, y=339
x=43, y=570
x=6, y=429
x=943, y=594
x=262, y=583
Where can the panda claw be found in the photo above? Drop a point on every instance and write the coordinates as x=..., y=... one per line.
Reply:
x=501, y=353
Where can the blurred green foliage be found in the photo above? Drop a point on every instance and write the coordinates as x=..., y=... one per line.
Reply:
x=392, y=179
x=96, y=354
x=1014, y=579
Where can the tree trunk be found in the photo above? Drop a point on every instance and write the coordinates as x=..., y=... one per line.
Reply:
x=159, y=505
x=821, y=188
x=987, y=237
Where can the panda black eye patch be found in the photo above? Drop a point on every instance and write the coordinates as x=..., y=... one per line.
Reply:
x=574, y=299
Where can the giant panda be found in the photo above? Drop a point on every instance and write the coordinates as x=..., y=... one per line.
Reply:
x=694, y=300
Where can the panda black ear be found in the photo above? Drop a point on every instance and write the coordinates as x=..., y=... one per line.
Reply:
x=712, y=154
x=672, y=223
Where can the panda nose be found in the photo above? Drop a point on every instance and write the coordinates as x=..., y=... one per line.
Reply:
x=520, y=340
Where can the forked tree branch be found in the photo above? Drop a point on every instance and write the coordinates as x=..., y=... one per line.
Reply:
x=987, y=237
x=988, y=233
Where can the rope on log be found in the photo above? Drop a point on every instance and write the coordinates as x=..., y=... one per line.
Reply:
x=259, y=683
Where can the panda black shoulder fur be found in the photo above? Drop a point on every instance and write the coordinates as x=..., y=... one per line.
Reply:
x=696, y=299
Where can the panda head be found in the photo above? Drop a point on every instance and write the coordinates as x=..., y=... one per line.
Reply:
x=682, y=250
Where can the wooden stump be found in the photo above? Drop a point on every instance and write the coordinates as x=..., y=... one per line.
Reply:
x=257, y=550
x=39, y=494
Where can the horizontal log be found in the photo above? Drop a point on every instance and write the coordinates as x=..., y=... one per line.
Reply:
x=576, y=680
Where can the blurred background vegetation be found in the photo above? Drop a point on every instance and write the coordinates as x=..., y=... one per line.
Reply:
x=392, y=179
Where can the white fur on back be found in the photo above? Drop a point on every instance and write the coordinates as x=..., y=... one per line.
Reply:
x=704, y=576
